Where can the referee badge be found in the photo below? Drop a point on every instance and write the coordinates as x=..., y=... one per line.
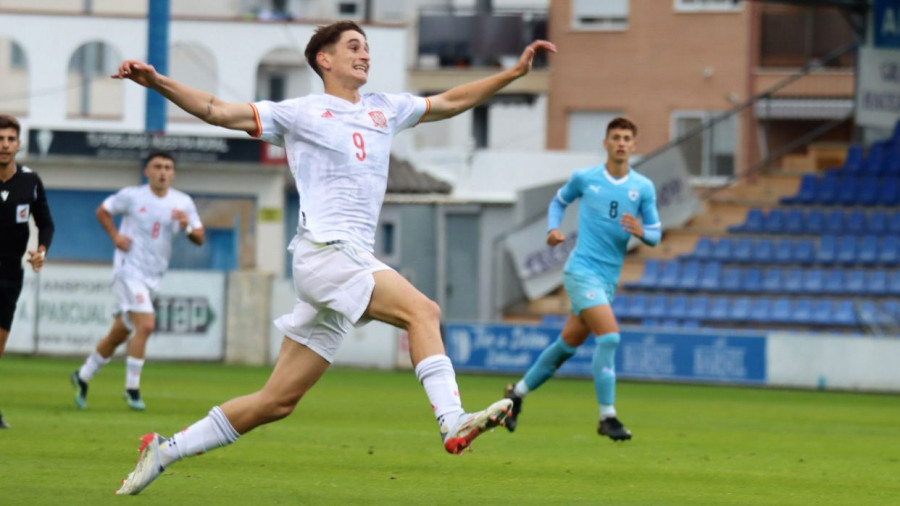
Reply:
x=22, y=213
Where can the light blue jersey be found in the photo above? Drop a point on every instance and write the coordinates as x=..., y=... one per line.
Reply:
x=600, y=249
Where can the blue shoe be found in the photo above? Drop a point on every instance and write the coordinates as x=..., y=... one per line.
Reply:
x=133, y=398
x=3, y=425
x=80, y=390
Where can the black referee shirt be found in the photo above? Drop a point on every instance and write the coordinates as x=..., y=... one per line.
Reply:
x=21, y=197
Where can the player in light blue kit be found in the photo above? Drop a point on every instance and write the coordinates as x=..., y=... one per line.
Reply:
x=612, y=196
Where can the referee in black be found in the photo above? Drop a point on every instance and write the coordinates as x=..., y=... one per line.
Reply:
x=21, y=196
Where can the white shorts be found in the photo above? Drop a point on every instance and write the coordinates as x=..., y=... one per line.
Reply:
x=333, y=283
x=132, y=296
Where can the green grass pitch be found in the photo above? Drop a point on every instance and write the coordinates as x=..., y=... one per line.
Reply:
x=368, y=438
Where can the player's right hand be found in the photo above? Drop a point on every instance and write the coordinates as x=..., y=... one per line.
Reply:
x=122, y=242
x=555, y=237
x=138, y=71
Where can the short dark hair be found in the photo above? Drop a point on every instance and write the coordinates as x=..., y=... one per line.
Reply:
x=160, y=154
x=326, y=36
x=621, y=123
x=7, y=121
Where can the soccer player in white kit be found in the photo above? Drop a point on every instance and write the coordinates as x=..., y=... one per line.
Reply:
x=338, y=145
x=153, y=215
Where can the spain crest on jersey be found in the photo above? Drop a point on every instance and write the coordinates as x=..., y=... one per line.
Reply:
x=633, y=194
x=379, y=119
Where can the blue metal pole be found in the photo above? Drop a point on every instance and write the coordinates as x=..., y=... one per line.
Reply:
x=158, y=56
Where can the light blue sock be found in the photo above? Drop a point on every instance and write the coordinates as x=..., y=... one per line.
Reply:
x=604, y=367
x=547, y=363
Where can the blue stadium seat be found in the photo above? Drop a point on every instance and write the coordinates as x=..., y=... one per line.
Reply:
x=813, y=281
x=689, y=280
x=822, y=311
x=793, y=280
x=658, y=307
x=637, y=306
x=894, y=222
x=847, y=250
x=690, y=324
x=876, y=223
x=826, y=254
x=753, y=222
x=889, y=250
x=894, y=284
x=698, y=308
x=732, y=279
x=743, y=250
x=784, y=251
x=834, y=222
x=889, y=191
x=678, y=306
x=855, y=222
x=827, y=191
x=764, y=251
x=891, y=308
x=649, y=276
x=711, y=276
x=844, y=314
x=795, y=222
x=760, y=310
x=867, y=251
x=804, y=251
x=752, y=280
x=891, y=165
x=620, y=305
x=703, y=249
x=719, y=309
x=774, y=222
x=815, y=222
x=877, y=282
x=806, y=191
x=855, y=282
x=740, y=309
x=869, y=313
x=781, y=310
x=848, y=190
x=802, y=311
x=651, y=323
x=722, y=249
x=834, y=282
x=669, y=275
x=867, y=192
x=853, y=161
x=772, y=280
x=874, y=161
x=553, y=320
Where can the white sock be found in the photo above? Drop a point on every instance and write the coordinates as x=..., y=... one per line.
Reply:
x=133, y=368
x=607, y=411
x=91, y=365
x=209, y=433
x=521, y=389
x=437, y=376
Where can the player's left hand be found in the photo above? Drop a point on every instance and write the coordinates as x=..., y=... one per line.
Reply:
x=36, y=259
x=181, y=217
x=632, y=225
x=523, y=66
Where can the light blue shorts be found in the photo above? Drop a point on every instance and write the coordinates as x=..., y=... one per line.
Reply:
x=587, y=291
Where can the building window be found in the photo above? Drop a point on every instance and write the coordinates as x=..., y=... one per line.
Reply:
x=388, y=244
x=587, y=129
x=707, y=5
x=708, y=150
x=348, y=9
x=17, y=58
x=595, y=15
x=277, y=87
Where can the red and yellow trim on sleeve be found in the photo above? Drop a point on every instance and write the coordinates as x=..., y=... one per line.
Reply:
x=258, y=132
x=427, y=110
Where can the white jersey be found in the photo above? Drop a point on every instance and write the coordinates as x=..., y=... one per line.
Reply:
x=338, y=153
x=147, y=221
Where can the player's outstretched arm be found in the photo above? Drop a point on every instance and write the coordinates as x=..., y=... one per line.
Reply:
x=466, y=96
x=201, y=104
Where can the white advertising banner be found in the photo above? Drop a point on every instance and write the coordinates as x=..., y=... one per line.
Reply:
x=539, y=266
x=67, y=309
x=878, y=91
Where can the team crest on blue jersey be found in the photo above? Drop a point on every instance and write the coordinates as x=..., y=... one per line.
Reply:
x=378, y=118
x=590, y=295
x=633, y=194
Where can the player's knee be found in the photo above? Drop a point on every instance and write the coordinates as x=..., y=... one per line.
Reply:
x=145, y=328
x=429, y=310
